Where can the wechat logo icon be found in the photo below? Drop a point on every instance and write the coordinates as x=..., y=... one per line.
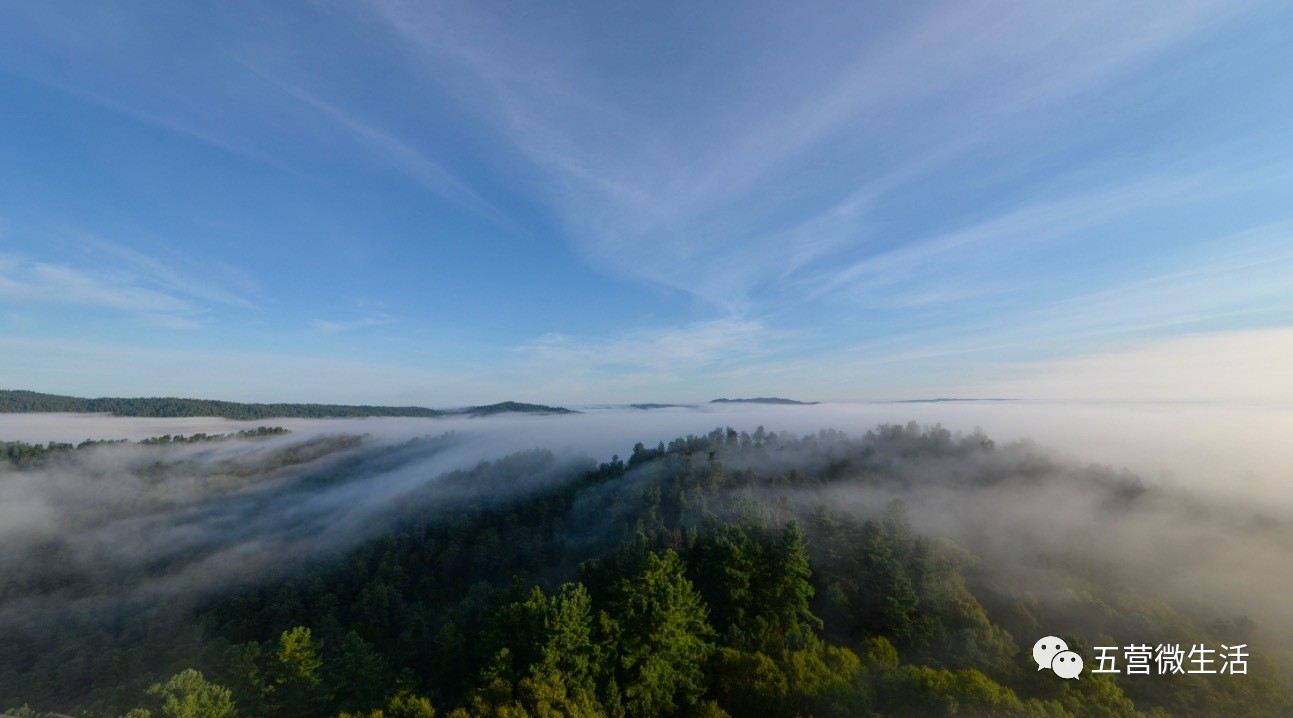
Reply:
x=1053, y=653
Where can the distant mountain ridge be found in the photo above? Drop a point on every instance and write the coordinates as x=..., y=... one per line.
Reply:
x=22, y=402
x=763, y=400
x=943, y=400
x=647, y=407
x=515, y=407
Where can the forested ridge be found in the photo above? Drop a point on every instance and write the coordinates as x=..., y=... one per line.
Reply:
x=762, y=400
x=23, y=454
x=715, y=575
x=19, y=401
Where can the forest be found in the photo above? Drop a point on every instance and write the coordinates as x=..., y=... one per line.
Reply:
x=727, y=574
x=23, y=454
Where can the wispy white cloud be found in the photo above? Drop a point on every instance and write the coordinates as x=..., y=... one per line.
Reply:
x=692, y=347
x=885, y=180
x=1239, y=280
x=669, y=198
x=123, y=280
x=372, y=319
x=41, y=282
x=988, y=243
x=388, y=149
x=217, y=91
x=673, y=363
x=188, y=283
x=171, y=321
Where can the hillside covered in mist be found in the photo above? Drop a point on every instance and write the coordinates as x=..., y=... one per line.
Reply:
x=907, y=571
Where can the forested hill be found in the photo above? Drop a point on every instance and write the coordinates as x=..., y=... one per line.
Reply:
x=515, y=407
x=16, y=401
x=763, y=400
x=720, y=576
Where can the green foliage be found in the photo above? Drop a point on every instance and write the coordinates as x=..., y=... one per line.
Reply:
x=21, y=455
x=548, y=664
x=246, y=675
x=358, y=674
x=958, y=632
x=925, y=691
x=26, y=711
x=681, y=582
x=819, y=680
x=404, y=704
x=878, y=654
x=295, y=677
x=1096, y=695
x=758, y=582
x=283, y=678
x=542, y=694
x=188, y=695
x=869, y=592
x=745, y=682
x=407, y=705
x=257, y=433
x=568, y=654
x=658, y=638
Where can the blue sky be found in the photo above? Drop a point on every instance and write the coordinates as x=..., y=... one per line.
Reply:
x=392, y=202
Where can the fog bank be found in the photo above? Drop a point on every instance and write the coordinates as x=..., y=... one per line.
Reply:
x=128, y=524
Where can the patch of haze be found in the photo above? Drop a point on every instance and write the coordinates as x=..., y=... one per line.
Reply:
x=1227, y=451
x=74, y=428
x=191, y=540
x=1073, y=535
x=314, y=513
x=1232, y=452
x=1213, y=530
x=109, y=527
x=1224, y=449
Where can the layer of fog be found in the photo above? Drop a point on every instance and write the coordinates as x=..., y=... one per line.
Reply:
x=109, y=548
x=127, y=527
x=1226, y=448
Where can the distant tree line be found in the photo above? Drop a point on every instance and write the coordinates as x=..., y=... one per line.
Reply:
x=16, y=402
x=259, y=432
x=30, y=401
x=21, y=454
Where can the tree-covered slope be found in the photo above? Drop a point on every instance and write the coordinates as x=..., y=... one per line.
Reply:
x=727, y=574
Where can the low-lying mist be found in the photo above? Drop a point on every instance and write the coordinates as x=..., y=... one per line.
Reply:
x=1225, y=448
x=1202, y=517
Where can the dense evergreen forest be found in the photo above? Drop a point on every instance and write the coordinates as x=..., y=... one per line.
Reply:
x=12, y=401
x=725, y=574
